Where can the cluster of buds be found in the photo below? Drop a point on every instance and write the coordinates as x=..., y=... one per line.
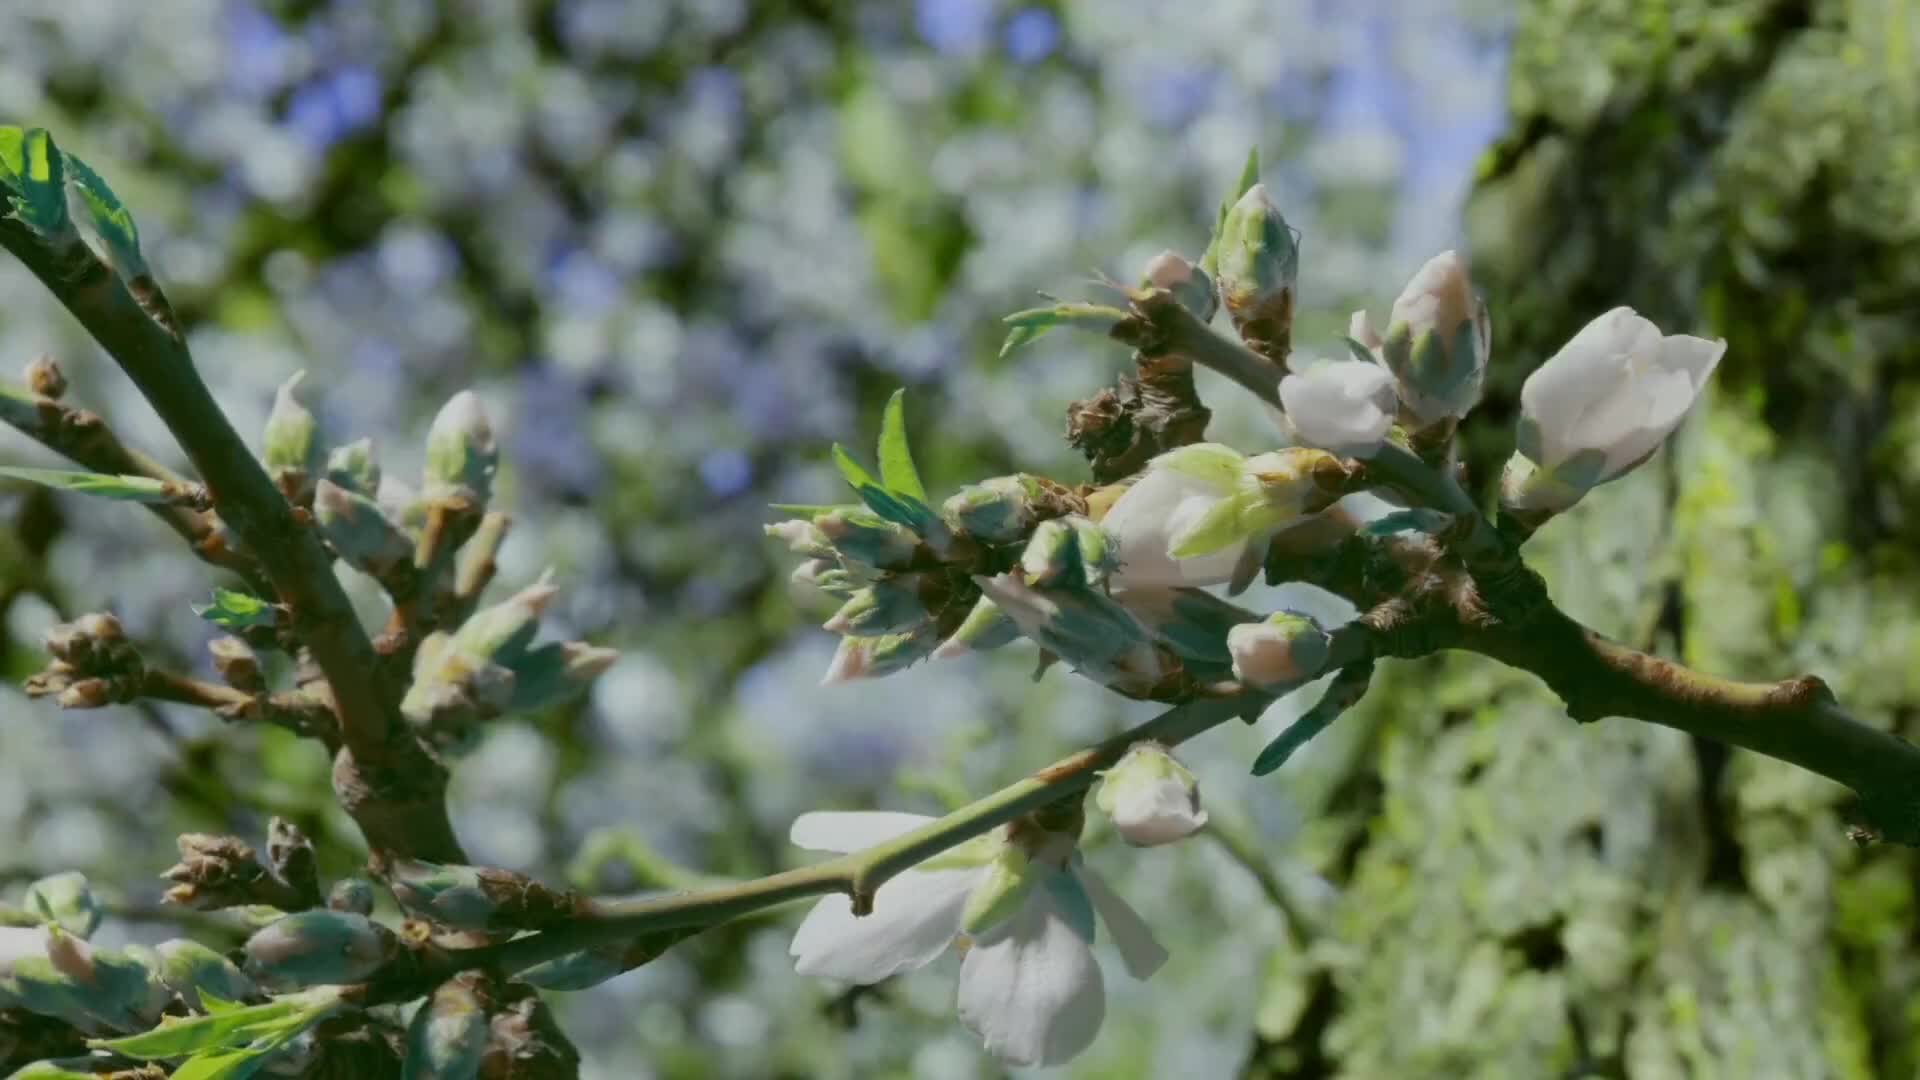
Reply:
x=479, y=897
x=490, y=667
x=93, y=664
x=219, y=871
x=47, y=966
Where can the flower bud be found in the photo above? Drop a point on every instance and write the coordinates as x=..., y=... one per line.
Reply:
x=503, y=632
x=86, y=694
x=1273, y=490
x=238, y=665
x=67, y=901
x=359, y=531
x=1437, y=342
x=290, y=857
x=865, y=537
x=291, y=446
x=998, y=510
x=351, y=894
x=1601, y=406
x=448, y=894
x=1086, y=628
x=802, y=537
x=448, y=1035
x=1001, y=891
x=1188, y=283
x=1342, y=406
x=127, y=988
x=311, y=948
x=1068, y=552
x=874, y=657
x=1283, y=649
x=354, y=467
x=1151, y=798
x=1259, y=260
x=188, y=967
x=461, y=453
x=985, y=627
x=884, y=607
x=37, y=985
x=557, y=672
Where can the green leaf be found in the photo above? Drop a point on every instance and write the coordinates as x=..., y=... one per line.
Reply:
x=1343, y=692
x=856, y=474
x=47, y=1070
x=178, y=1037
x=236, y=610
x=111, y=220
x=131, y=488
x=807, y=510
x=1360, y=352
x=1030, y=325
x=900, y=509
x=35, y=178
x=1249, y=176
x=233, y=1063
x=897, y=470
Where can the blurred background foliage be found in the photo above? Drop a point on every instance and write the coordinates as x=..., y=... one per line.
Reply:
x=678, y=246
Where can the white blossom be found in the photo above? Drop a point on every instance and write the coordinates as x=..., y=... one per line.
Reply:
x=1344, y=406
x=1164, y=503
x=1601, y=406
x=1029, y=986
x=1284, y=648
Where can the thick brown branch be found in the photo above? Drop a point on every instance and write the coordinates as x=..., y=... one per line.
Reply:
x=1795, y=720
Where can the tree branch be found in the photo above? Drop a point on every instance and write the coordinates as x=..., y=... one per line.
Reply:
x=393, y=789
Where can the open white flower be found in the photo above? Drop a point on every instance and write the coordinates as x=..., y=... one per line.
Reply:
x=1152, y=798
x=1344, y=406
x=1601, y=406
x=1029, y=986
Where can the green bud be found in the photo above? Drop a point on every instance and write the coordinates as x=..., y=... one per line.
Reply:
x=1259, y=260
x=67, y=901
x=354, y=467
x=311, y=948
x=1085, y=628
x=557, y=672
x=1068, y=552
x=461, y=454
x=998, y=511
x=448, y=1035
x=985, y=627
x=884, y=607
x=360, y=531
x=188, y=967
x=578, y=970
x=127, y=987
x=865, y=537
x=503, y=632
x=449, y=894
x=37, y=985
x=291, y=447
x=351, y=894
x=874, y=657
x=1001, y=891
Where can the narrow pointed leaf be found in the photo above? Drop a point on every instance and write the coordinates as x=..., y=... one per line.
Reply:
x=1030, y=325
x=180, y=1037
x=1249, y=176
x=111, y=220
x=1417, y=519
x=897, y=470
x=35, y=176
x=129, y=488
x=1343, y=693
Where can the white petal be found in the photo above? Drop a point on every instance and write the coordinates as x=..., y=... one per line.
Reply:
x=915, y=917
x=1587, y=368
x=1031, y=989
x=1131, y=935
x=1695, y=356
x=1360, y=329
x=1143, y=522
x=851, y=830
x=1345, y=406
x=1438, y=296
